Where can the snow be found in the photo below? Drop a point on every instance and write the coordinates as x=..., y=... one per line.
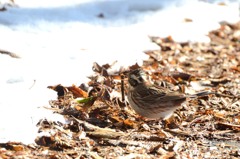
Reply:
x=59, y=41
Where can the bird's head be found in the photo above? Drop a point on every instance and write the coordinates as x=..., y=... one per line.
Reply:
x=136, y=77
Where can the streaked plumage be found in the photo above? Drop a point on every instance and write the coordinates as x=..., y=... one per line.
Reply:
x=149, y=100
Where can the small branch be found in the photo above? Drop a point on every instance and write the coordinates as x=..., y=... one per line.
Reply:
x=13, y=55
x=122, y=88
x=98, y=132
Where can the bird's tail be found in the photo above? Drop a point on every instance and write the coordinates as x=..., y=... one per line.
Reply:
x=200, y=94
x=205, y=93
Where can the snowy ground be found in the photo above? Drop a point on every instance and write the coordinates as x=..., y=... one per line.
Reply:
x=59, y=41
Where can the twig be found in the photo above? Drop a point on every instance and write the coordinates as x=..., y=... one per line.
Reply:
x=122, y=87
x=99, y=132
x=9, y=53
x=34, y=82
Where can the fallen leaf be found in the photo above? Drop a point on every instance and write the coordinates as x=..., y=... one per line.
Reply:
x=77, y=92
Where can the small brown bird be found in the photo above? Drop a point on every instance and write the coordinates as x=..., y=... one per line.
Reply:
x=153, y=101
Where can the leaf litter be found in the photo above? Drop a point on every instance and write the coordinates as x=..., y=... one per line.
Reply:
x=101, y=124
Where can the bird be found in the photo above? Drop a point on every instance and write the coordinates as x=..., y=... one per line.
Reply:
x=152, y=101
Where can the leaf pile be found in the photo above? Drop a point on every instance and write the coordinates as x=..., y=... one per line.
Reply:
x=100, y=123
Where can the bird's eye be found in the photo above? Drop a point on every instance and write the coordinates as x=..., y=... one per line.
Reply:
x=133, y=82
x=136, y=77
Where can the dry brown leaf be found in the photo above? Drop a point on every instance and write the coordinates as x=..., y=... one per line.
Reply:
x=15, y=146
x=155, y=55
x=188, y=20
x=116, y=77
x=227, y=126
x=61, y=90
x=220, y=115
x=77, y=92
x=135, y=66
x=235, y=68
x=18, y=148
x=45, y=140
x=180, y=76
x=130, y=123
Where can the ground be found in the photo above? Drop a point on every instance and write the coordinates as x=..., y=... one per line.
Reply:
x=101, y=124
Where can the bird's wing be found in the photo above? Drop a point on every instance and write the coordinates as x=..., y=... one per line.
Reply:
x=163, y=97
x=144, y=92
x=153, y=93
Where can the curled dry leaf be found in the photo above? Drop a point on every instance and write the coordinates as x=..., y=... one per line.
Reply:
x=77, y=92
x=45, y=140
x=61, y=90
x=180, y=76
